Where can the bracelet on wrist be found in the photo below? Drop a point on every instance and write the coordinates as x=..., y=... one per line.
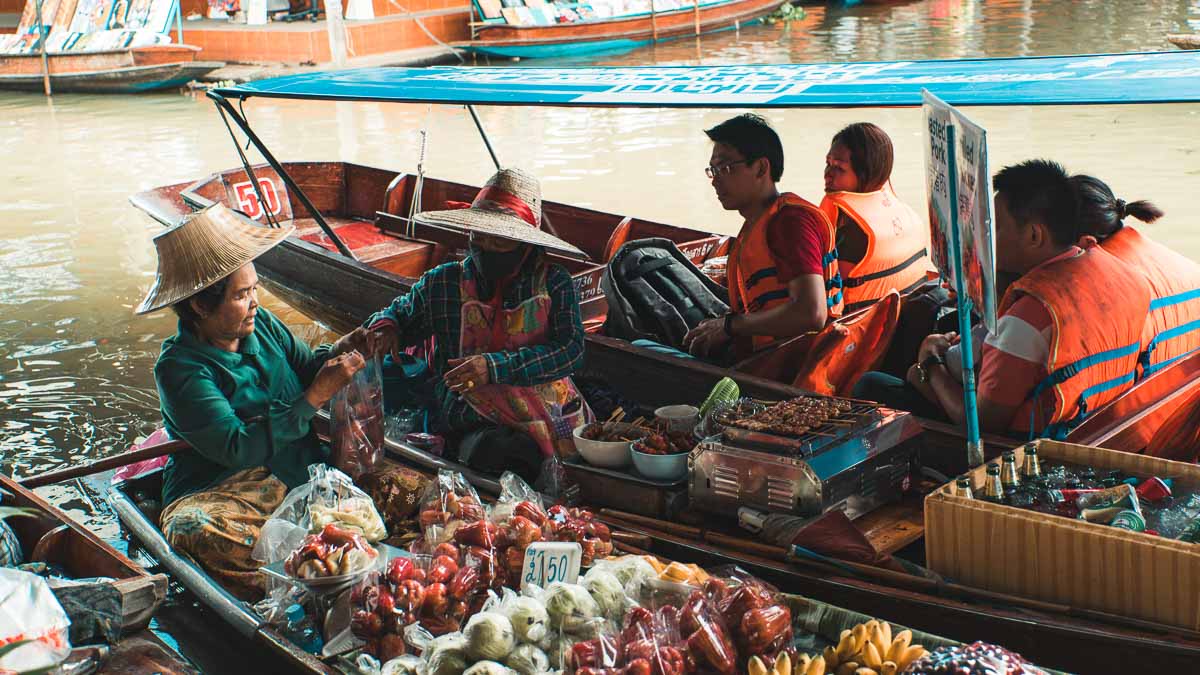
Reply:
x=728, y=326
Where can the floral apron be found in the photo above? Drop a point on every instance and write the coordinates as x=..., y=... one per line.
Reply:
x=536, y=410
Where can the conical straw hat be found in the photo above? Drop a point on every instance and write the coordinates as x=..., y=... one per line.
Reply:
x=509, y=206
x=205, y=248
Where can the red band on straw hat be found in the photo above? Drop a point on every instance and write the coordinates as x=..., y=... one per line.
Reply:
x=507, y=200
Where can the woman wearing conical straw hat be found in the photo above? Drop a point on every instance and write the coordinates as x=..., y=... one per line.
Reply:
x=506, y=328
x=239, y=388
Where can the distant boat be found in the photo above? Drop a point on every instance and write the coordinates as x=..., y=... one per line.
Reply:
x=1185, y=40
x=128, y=70
x=577, y=38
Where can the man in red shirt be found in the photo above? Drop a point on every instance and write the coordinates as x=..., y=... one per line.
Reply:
x=782, y=267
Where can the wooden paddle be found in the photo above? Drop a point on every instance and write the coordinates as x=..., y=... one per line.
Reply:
x=105, y=464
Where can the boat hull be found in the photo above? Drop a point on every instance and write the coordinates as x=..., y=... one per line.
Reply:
x=1185, y=40
x=117, y=71
x=590, y=37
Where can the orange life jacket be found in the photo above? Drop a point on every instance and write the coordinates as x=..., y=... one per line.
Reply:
x=897, y=254
x=754, y=284
x=1097, y=305
x=1174, y=319
x=847, y=349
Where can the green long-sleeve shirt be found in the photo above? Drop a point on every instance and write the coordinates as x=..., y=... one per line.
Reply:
x=238, y=409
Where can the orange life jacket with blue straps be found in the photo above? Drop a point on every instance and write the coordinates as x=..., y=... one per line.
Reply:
x=897, y=254
x=1173, y=324
x=754, y=284
x=1097, y=305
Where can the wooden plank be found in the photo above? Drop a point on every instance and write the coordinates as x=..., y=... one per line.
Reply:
x=892, y=527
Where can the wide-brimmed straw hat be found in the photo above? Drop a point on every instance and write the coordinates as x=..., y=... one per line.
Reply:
x=510, y=207
x=205, y=248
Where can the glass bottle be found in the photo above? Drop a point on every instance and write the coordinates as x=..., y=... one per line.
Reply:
x=993, y=488
x=1032, y=469
x=1009, y=477
x=962, y=487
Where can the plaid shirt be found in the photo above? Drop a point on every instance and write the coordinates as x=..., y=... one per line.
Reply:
x=433, y=309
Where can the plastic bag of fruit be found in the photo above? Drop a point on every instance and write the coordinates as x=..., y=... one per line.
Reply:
x=755, y=614
x=356, y=427
x=328, y=497
x=449, y=502
x=514, y=493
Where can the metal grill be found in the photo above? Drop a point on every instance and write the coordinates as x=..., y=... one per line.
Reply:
x=841, y=426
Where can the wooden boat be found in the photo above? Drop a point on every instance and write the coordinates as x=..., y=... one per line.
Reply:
x=53, y=537
x=133, y=502
x=367, y=208
x=622, y=32
x=117, y=71
x=340, y=292
x=1185, y=40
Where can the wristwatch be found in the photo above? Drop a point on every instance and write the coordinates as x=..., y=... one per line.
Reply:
x=924, y=366
x=728, y=325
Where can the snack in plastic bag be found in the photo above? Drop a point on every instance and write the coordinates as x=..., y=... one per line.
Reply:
x=488, y=668
x=489, y=636
x=447, y=655
x=334, y=552
x=336, y=500
x=528, y=617
x=29, y=611
x=356, y=430
x=569, y=606
x=404, y=665
x=448, y=503
x=528, y=659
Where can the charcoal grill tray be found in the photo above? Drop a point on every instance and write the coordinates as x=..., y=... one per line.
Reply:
x=861, y=413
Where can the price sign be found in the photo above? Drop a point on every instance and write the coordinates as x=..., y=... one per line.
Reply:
x=549, y=561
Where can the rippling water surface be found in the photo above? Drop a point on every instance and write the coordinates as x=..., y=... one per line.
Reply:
x=75, y=258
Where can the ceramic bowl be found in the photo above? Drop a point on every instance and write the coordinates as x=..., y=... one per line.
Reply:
x=660, y=467
x=606, y=454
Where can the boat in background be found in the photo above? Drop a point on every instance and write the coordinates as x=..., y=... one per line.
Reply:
x=1185, y=40
x=118, y=71
x=578, y=38
x=367, y=208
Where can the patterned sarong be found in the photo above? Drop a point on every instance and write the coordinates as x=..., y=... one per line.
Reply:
x=218, y=527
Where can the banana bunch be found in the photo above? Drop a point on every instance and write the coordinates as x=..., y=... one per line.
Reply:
x=783, y=666
x=870, y=649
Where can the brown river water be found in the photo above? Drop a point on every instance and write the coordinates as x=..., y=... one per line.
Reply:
x=75, y=257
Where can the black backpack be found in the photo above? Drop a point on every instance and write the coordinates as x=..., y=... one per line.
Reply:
x=655, y=293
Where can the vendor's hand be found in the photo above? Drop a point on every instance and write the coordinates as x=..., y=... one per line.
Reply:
x=936, y=344
x=467, y=374
x=706, y=338
x=334, y=374
x=385, y=339
x=359, y=340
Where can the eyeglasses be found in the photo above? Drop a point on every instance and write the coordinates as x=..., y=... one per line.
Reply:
x=724, y=169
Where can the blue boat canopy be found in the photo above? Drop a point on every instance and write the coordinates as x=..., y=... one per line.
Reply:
x=1155, y=77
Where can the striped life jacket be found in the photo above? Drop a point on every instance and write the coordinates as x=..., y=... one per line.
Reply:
x=754, y=284
x=1097, y=305
x=1173, y=324
x=897, y=255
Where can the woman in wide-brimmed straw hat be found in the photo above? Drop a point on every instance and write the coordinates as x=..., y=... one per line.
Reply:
x=238, y=387
x=507, y=331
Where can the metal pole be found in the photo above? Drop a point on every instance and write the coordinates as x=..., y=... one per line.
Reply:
x=970, y=410
x=653, y=22
x=287, y=179
x=178, y=21
x=45, y=59
x=483, y=135
x=696, y=15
